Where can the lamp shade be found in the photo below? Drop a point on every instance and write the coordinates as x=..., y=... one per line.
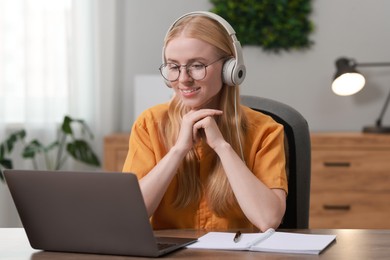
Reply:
x=347, y=80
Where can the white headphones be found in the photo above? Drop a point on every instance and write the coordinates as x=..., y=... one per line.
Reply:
x=233, y=71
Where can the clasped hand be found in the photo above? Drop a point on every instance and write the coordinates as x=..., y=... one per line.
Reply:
x=195, y=121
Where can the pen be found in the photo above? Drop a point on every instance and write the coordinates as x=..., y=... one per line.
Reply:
x=237, y=237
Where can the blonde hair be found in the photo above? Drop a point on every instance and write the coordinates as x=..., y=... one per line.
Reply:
x=217, y=190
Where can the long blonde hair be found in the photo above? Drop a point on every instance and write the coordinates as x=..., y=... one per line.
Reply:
x=217, y=190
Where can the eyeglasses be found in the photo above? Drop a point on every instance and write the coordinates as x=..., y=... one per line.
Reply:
x=196, y=70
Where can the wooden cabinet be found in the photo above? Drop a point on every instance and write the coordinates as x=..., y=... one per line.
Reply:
x=350, y=181
x=115, y=151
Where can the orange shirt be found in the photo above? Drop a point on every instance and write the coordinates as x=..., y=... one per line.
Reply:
x=263, y=143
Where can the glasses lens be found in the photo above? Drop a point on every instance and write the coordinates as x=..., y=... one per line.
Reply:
x=197, y=71
x=170, y=71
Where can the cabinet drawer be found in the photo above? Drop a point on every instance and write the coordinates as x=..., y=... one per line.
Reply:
x=350, y=160
x=349, y=210
x=350, y=181
x=350, y=171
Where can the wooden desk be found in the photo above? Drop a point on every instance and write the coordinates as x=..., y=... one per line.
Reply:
x=350, y=244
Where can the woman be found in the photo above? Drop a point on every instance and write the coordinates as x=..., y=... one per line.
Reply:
x=203, y=160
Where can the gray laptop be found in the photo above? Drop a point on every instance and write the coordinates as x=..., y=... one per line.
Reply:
x=86, y=212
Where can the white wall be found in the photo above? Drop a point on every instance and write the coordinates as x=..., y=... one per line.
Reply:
x=354, y=28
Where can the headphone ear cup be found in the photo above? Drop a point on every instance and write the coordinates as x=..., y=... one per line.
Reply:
x=228, y=72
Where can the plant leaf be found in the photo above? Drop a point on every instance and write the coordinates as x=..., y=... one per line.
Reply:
x=68, y=130
x=2, y=150
x=8, y=145
x=6, y=163
x=33, y=148
x=66, y=127
x=81, y=151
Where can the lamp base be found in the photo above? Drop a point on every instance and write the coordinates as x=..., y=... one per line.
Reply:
x=376, y=129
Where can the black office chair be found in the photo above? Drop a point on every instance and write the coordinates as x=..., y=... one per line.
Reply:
x=298, y=155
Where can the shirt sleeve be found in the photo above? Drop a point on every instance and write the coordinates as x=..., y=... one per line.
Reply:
x=145, y=149
x=267, y=158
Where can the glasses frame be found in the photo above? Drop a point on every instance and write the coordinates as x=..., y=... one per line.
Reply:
x=186, y=66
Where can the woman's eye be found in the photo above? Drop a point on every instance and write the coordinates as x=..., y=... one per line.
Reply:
x=173, y=67
x=197, y=66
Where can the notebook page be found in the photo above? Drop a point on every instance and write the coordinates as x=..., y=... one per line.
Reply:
x=224, y=240
x=294, y=243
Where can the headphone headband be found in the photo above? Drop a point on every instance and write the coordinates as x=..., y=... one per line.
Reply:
x=223, y=22
x=234, y=71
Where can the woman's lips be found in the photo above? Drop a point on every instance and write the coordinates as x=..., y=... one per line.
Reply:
x=189, y=91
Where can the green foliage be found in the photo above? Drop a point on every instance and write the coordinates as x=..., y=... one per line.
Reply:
x=66, y=143
x=273, y=24
x=7, y=147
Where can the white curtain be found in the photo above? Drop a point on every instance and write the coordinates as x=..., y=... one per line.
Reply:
x=34, y=62
x=57, y=58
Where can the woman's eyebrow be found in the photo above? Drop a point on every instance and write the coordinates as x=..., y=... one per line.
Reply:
x=172, y=61
x=199, y=59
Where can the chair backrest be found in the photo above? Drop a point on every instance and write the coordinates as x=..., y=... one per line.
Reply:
x=298, y=152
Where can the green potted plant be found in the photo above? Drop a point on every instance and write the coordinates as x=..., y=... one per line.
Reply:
x=275, y=25
x=67, y=143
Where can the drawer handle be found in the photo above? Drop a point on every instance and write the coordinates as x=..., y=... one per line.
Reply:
x=337, y=164
x=337, y=207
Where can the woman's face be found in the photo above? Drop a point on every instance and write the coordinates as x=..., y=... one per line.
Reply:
x=195, y=94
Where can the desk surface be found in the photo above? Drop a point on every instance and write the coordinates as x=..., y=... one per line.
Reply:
x=350, y=244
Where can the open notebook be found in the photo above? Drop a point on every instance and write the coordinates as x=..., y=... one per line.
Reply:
x=269, y=241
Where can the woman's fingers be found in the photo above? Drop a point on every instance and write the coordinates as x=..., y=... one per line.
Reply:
x=210, y=130
x=193, y=124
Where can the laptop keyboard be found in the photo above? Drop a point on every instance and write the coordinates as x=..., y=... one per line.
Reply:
x=162, y=246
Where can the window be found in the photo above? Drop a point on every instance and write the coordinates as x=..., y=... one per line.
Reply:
x=34, y=60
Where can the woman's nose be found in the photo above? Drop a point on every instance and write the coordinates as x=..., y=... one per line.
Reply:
x=184, y=75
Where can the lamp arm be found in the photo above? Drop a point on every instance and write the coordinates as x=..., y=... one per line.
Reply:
x=379, y=120
x=378, y=64
x=372, y=64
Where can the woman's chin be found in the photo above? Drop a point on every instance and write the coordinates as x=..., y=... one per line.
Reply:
x=196, y=104
x=192, y=104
